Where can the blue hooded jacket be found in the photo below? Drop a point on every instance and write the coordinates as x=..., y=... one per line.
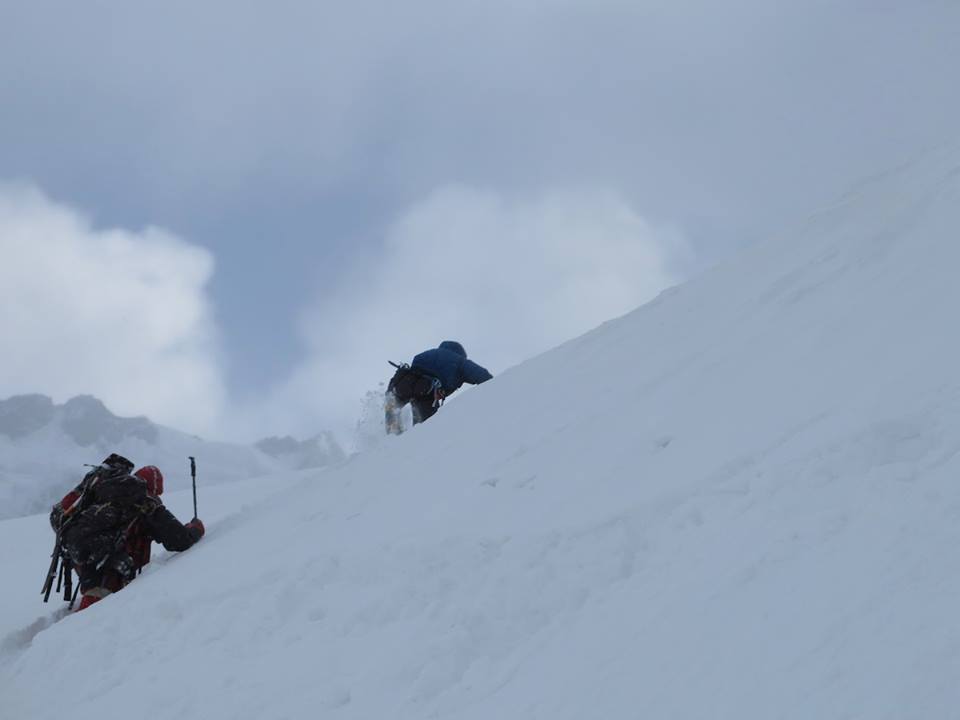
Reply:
x=448, y=363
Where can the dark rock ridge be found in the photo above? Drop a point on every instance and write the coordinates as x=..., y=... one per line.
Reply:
x=83, y=418
x=22, y=415
x=317, y=451
x=87, y=421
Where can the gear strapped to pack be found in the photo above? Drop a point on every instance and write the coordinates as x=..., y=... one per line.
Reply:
x=409, y=382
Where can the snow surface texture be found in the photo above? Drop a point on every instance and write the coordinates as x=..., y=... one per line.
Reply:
x=739, y=501
x=44, y=446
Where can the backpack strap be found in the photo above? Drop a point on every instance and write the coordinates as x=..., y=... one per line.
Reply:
x=438, y=394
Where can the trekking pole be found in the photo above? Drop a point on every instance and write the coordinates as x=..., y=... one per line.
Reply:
x=193, y=474
x=52, y=570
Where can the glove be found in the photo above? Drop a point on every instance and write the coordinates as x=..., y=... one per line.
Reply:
x=196, y=528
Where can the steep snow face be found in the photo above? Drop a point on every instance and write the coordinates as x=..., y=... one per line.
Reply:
x=738, y=501
x=44, y=446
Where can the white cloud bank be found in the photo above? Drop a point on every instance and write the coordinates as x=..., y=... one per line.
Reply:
x=122, y=315
x=507, y=277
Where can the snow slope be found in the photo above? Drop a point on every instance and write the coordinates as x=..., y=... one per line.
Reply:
x=738, y=501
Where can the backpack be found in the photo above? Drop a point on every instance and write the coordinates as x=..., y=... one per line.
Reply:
x=408, y=383
x=81, y=539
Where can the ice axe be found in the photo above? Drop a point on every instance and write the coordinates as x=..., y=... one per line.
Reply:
x=193, y=474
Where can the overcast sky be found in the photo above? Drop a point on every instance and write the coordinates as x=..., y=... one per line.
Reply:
x=230, y=215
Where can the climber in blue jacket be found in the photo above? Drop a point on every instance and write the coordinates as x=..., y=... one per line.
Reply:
x=425, y=382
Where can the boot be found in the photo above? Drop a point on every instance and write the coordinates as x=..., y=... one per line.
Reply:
x=392, y=418
x=91, y=596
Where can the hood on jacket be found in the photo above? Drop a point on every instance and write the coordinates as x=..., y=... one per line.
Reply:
x=453, y=346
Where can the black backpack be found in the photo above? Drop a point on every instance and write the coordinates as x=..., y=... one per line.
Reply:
x=409, y=382
x=88, y=532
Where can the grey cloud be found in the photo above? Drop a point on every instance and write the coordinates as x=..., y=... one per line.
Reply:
x=193, y=104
